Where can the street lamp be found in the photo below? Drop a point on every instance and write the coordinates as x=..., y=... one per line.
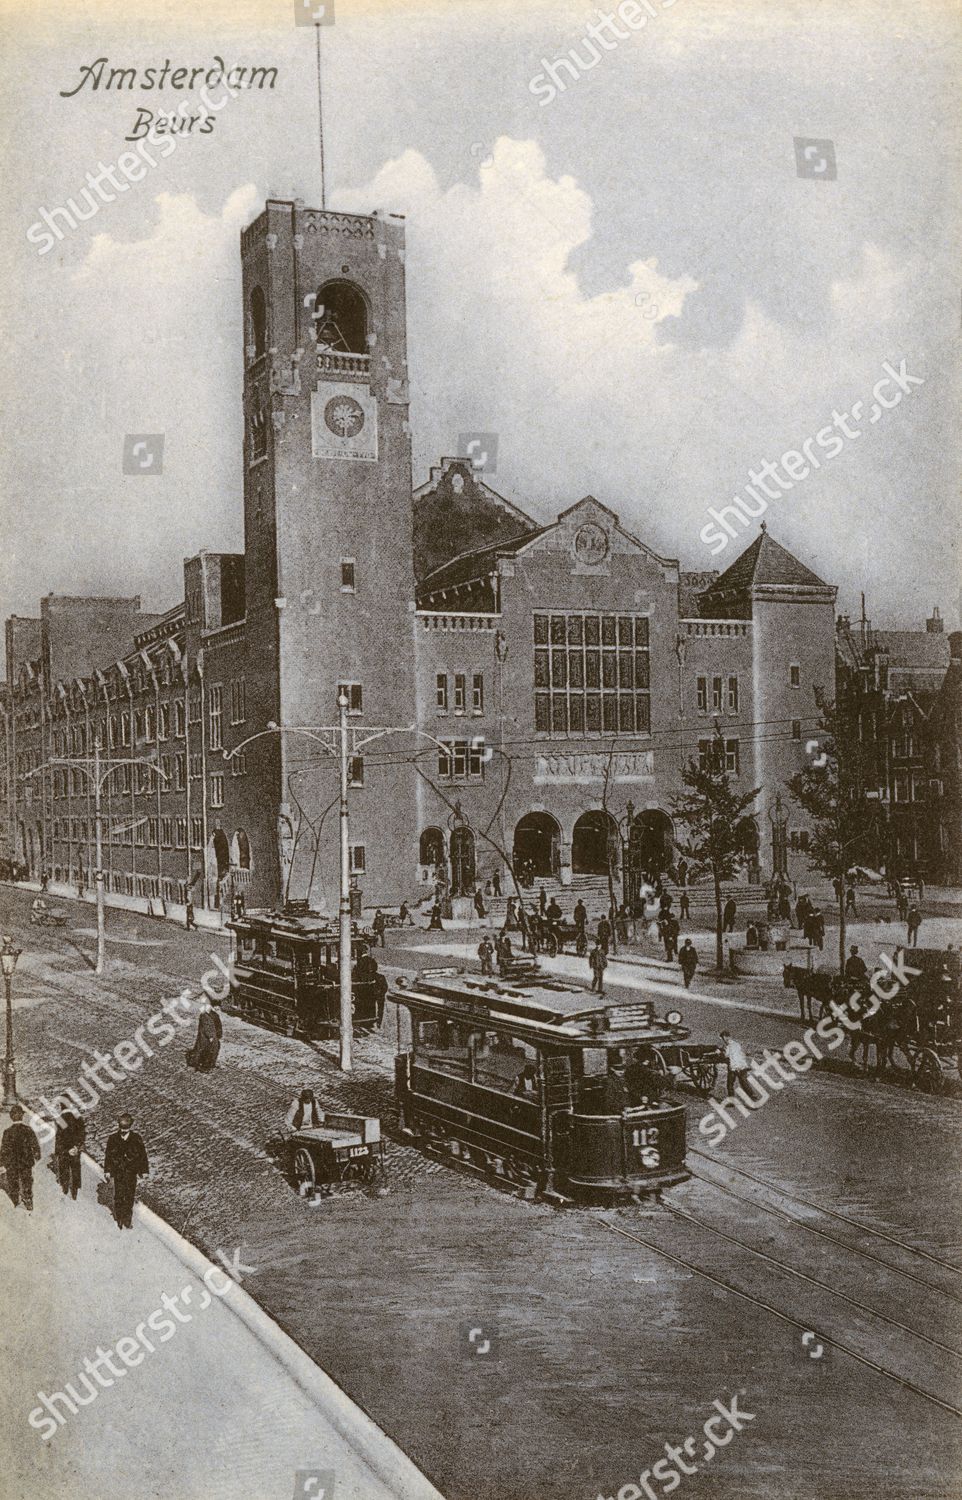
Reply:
x=8, y=962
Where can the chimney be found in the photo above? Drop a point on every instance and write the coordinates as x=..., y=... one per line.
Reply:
x=934, y=624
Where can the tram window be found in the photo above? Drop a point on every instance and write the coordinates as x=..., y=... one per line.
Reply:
x=498, y=1060
x=443, y=1046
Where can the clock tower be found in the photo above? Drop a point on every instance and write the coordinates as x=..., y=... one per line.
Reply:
x=328, y=534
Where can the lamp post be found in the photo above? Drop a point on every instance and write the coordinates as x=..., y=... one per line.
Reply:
x=8, y=962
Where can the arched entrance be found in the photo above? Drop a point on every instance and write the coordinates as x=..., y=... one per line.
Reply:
x=463, y=868
x=537, y=847
x=651, y=842
x=431, y=847
x=591, y=844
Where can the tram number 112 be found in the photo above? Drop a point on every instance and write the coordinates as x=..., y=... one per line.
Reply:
x=645, y=1139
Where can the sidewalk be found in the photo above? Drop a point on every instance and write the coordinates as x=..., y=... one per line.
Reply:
x=57, y=890
x=223, y=1406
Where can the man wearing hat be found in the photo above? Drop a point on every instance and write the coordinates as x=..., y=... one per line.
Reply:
x=125, y=1159
x=19, y=1150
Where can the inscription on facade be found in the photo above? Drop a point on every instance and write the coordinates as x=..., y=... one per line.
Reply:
x=637, y=765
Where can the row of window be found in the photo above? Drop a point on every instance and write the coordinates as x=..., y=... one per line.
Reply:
x=714, y=755
x=457, y=700
x=166, y=833
x=462, y=760
x=722, y=701
x=591, y=674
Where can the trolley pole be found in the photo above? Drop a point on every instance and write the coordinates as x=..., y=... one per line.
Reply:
x=347, y=1019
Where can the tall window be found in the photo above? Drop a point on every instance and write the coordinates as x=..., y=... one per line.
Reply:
x=165, y=721
x=459, y=692
x=795, y=675
x=215, y=717
x=477, y=693
x=340, y=317
x=733, y=695
x=441, y=692
x=355, y=770
x=591, y=674
x=716, y=695
x=348, y=575
x=238, y=700
x=701, y=689
x=217, y=791
x=358, y=859
x=180, y=719
x=257, y=325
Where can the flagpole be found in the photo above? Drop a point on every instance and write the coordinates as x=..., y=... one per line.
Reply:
x=320, y=113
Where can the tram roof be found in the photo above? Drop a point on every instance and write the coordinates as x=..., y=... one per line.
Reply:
x=545, y=1001
x=294, y=925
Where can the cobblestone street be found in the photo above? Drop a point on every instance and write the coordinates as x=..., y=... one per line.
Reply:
x=601, y=1348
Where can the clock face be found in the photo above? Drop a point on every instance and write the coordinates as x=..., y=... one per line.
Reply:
x=344, y=416
x=590, y=544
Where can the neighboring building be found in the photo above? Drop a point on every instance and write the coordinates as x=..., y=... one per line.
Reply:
x=529, y=688
x=901, y=693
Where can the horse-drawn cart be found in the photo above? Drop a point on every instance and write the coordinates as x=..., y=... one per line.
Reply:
x=341, y=1149
x=696, y=1063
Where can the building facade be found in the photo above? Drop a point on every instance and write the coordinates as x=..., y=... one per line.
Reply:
x=517, y=692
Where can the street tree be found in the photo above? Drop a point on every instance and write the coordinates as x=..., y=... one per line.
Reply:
x=832, y=791
x=714, y=814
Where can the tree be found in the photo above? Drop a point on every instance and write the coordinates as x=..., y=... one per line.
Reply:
x=832, y=791
x=713, y=813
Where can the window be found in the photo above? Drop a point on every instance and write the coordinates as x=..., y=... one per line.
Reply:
x=139, y=730
x=167, y=832
x=591, y=674
x=165, y=721
x=215, y=717
x=125, y=778
x=340, y=317
x=462, y=760
x=195, y=708
x=152, y=831
x=217, y=791
x=731, y=756
x=459, y=692
x=180, y=772
x=902, y=787
x=196, y=766
x=182, y=833
x=795, y=675
x=716, y=695
x=258, y=431
x=143, y=780
x=167, y=767
x=701, y=690
x=354, y=694
x=477, y=693
x=348, y=575
x=707, y=758
x=150, y=724
x=358, y=856
x=238, y=700
x=125, y=729
x=180, y=719
x=796, y=729
x=257, y=325
x=733, y=695
x=196, y=832
x=355, y=771
x=441, y=692
x=238, y=764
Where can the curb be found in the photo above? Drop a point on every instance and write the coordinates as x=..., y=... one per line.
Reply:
x=388, y=1463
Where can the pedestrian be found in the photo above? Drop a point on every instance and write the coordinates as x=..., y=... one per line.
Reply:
x=736, y=1061
x=683, y=872
x=580, y=916
x=913, y=923
x=479, y=905
x=542, y=901
x=802, y=907
x=378, y=926
x=305, y=1113
x=19, y=1152
x=404, y=915
x=125, y=1159
x=670, y=935
x=902, y=905
x=604, y=933
x=504, y=952
x=44, y=882
x=850, y=899
x=203, y=1054
x=435, y=924
x=496, y=882
x=688, y=958
x=728, y=915
x=189, y=922
x=486, y=954
x=684, y=906
x=598, y=962
x=71, y=1135
x=855, y=967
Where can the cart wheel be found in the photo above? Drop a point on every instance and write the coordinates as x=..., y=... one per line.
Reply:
x=304, y=1174
x=551, y=945
x=817, y=1009
x=703, y=1076
x=581, y=945
x=928, y=1072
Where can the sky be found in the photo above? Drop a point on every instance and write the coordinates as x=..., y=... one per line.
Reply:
x=627, y=281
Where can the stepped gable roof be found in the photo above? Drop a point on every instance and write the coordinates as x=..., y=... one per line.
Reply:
x=477, y=564
x=765, y=562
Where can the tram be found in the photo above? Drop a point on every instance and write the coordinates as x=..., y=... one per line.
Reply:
x=539, y=1084
x=285, y=974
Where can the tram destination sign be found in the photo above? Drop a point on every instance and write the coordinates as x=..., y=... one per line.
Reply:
x=635, y=765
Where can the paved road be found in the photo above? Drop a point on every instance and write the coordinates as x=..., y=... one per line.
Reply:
x=604, y=1348
x=190, y=1405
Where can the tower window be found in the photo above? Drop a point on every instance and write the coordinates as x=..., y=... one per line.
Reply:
x=257, y=329
x=340, y=317
x=348, y=575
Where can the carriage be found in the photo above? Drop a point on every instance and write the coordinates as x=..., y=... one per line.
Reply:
x=47, y=916
x=558, y=936
x=285, y=974
x=694, y=1063
x=530, y=1084
x=341, y=1148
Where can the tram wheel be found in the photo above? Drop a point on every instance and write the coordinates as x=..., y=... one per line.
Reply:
x=928, y=1072
x=304, y=1174
x=703, y=1076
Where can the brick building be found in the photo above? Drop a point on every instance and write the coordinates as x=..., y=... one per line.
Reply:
x=541, y=685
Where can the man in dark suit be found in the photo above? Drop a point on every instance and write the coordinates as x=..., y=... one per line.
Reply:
x=19, y=1150
x=71, y=1135
x=125, y=1159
